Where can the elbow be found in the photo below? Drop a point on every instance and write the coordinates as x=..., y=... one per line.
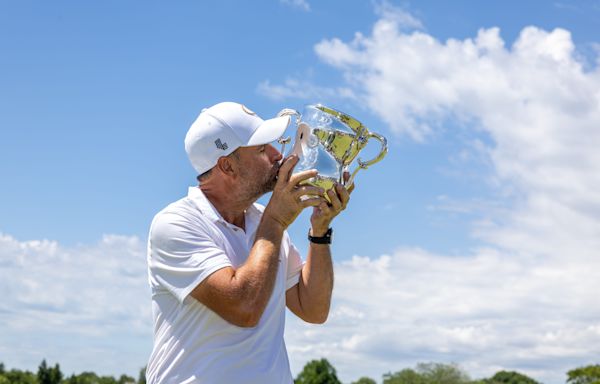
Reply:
x=248, y=321
x=317, y=318
x=320, y=319
x=247, y=316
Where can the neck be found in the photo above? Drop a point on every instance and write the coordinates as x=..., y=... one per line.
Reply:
x=232, y=208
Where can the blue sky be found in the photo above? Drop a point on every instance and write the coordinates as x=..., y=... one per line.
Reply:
x=474, y=241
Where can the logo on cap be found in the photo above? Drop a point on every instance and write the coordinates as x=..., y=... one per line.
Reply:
x=222, y=146
x=248, y=110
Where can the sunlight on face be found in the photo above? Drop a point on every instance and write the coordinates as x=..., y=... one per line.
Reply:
x=258, y=167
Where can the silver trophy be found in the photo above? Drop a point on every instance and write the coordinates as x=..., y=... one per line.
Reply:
x=329, y=141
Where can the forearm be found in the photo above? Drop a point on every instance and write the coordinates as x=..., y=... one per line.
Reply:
x=316, y=286
x=255, y=279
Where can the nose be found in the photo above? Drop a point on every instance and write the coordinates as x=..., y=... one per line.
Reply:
x=274, y=154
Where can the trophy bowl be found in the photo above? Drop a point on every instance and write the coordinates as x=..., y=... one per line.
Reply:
x=329, y=141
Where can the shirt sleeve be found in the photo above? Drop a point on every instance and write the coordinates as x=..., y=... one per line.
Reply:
x=294, y=264
x=182, y=254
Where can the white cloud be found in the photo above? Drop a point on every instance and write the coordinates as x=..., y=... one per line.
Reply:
x=527, y=302
x=535, y=100
x=398, y=16
x=85, y=307
x=487, y=311
x=88, y=308
x=294, y=88
x=299, y=4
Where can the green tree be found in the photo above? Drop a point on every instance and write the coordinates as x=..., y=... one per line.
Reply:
x=49, y=375
x=589, y=374
x=16, y=376
x=142, y=376
x=428, y=373
x=510, y=377
x=107, y=380
x=443, y=373
x=124, y=379
x=317, y=372
x=3, y=379
x=405, y=376
x=83, y=378
x=364, y=380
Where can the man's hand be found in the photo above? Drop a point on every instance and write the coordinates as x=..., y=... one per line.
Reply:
x=289, y=198
x=325, y=212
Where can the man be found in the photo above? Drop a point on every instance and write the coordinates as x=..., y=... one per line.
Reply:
x=222, y=268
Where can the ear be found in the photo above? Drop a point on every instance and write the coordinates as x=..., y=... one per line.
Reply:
x=226, y=165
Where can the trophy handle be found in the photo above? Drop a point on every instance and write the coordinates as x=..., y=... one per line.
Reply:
x=286, y=140
x=376, y=159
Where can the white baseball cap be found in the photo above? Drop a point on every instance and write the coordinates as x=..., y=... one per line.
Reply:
x=224, y=127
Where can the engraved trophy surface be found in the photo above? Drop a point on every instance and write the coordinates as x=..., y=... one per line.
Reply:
x=329, y=141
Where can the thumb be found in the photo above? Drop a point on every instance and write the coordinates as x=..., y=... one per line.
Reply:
x=286, y=168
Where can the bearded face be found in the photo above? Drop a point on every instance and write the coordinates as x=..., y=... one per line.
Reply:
x=258, y=167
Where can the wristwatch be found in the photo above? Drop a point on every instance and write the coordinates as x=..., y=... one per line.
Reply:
x=325, y=239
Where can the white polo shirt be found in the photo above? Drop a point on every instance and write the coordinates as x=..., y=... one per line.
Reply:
x=188, y=241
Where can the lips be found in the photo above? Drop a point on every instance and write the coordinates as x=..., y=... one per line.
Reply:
x=275, y=171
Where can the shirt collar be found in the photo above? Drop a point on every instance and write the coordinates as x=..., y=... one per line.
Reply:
x=196, y=195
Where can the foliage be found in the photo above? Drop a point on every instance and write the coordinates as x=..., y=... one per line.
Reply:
x=142, y=376
x=428, y=373
x=510, y=377
x=92, y=378
x=49, y=375
x=15, y=376
x=584, y=375
x=53, y=375
x=317, y=372
x=365, y=380
x=314, y=372
x=405, y=376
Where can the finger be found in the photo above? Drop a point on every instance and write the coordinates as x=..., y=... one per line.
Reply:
x=350, y=188
x=301, y=176
x=343, y=194
x=308, y=190
x=286, y=168
x=311, y=202
x=336, y=204
x=325, y=208
x=346, y=176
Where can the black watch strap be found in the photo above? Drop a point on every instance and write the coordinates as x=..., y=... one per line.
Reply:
x=325, y=239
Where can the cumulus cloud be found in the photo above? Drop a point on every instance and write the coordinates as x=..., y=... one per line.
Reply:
x=486, y=311
x=528, y=301
x=535, y=100
x=86, y=307
x=302, y=89
x=299, y=4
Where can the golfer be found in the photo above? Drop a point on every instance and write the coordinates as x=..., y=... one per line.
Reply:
x=222, y=268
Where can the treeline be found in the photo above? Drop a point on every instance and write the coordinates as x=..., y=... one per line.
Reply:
x=53, y=375
x=314, y=372
x=322, y=372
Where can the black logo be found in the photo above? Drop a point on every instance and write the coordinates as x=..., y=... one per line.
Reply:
x=221, y=145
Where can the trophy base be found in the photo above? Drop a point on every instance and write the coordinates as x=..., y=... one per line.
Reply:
x=324, y=182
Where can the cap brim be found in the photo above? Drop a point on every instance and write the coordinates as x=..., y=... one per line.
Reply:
x=269, y=131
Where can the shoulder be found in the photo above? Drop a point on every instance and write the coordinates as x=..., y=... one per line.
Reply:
x=178, y=220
